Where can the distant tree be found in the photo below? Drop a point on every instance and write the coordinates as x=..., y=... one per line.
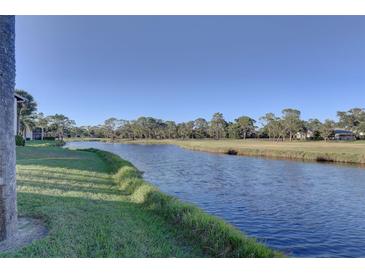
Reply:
x=352, y=119
x=110, y=127
x=185, y=130
x=233, y=130
x=245, y=126
x=26, y=111
x=27, y=122
x=291, y=122
x=218, y=126
x=201, y=128
x=41, y=122
x=274, y=126
x=60, y=124
x=171, y=129
x=125, y=129
x=327, y=129
x=314, y=125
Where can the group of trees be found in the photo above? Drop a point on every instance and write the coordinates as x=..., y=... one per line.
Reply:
x=57, y=125
x=288, y=126
x=152, y=128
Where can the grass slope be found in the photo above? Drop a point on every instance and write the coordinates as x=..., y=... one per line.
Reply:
x=97, y=205
x=85, y=211
x=336, y=151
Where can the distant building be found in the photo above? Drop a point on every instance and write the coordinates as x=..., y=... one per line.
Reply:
x=33, y=134
x=304, y=135
x=342, y=134
x=17, y=100
x=28, y=134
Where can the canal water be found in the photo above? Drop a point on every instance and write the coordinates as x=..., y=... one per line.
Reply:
x=304, y=209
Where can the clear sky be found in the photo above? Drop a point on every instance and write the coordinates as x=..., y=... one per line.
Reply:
x=182, y=68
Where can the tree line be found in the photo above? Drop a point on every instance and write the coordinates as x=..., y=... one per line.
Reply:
x=288, y=126
x=28, y=117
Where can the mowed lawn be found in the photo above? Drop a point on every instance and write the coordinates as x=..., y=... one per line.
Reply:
x=314, y=146
x=337, y=151
x=87, y=215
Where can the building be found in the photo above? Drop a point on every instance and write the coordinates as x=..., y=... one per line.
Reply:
x=33, y=134
x=342, y=134
x=28, y=134
x=304, y=135
x=17, y=101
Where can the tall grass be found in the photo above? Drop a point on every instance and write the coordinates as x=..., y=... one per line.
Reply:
x=342, y=152
x=213, y=235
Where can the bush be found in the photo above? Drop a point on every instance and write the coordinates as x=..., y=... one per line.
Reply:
x=49, y=138
x=59, y=143
x=19, y=140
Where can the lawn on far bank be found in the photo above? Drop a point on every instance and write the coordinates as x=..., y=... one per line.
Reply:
x=332, y=151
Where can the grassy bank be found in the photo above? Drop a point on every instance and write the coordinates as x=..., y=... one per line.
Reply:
x=344, y=152
x=97, y=205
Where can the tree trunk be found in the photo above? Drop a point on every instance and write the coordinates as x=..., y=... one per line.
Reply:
x=8, y=210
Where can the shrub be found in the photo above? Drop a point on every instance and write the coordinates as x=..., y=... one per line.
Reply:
x=49, y=138
x=59, y=143
x=19, y=140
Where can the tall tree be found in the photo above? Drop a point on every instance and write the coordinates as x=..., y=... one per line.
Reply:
x=351, y=119
x=110, y=126
x=26, y=111
x=42, y=122
x=327, y=129
x=245, y=126
x=291, y=122
x=171, y=129
x=201, y=128
x=233, y=130
x=273, y=125
x=60, y=124
x=218, y=126
x=314, y=125
x=8, y=210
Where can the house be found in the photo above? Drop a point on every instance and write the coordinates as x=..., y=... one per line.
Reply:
x=17, y=100
x=33, y=134
x=304, y=135
x=28, y=134
x=342, y=134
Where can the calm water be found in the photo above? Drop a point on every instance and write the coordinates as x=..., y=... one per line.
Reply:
x=304, y=209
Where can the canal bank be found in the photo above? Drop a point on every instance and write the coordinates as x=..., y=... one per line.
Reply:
x=94, y=204
x=305, y=209
x=319, y=151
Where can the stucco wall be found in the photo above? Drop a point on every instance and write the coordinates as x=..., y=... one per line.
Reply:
x=8, y=214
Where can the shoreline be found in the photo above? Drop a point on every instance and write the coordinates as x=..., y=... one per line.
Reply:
x=215, y=236
x=109, y=196
x=330, y=152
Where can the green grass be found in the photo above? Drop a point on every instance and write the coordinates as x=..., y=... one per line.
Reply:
x=95, y=204
x=334, y=151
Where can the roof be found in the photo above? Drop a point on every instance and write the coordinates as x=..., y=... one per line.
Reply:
x=19, y=98
x=343, y=131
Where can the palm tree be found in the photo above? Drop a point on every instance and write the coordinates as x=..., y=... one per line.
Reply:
x=8, y=211
x=42, y=122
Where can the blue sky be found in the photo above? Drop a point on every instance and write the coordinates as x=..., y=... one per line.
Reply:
x=184, y=67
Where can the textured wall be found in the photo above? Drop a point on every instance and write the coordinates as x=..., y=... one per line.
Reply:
x=8, y=212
